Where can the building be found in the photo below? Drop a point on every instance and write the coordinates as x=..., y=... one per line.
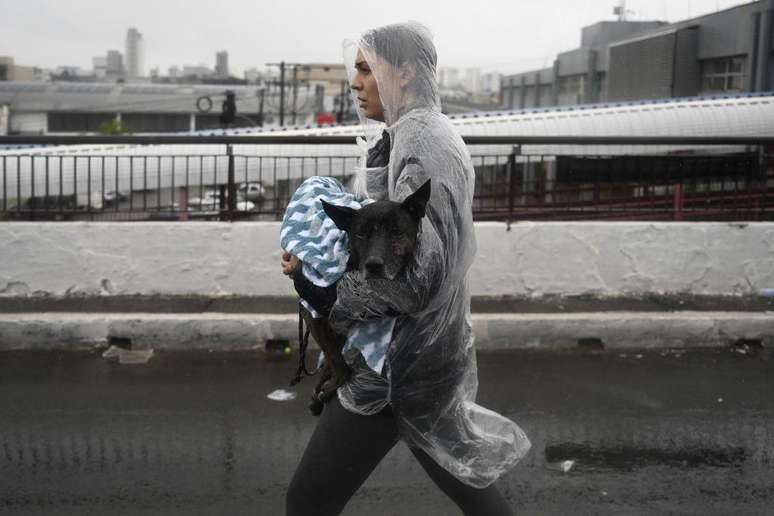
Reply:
x=254, y=75
x=109, y=67
x=468, y=80
x=321, y=87
x=115, y=65
x=9, y=71
x=221, y=64
x=448, y=77
x=99, y=64
x=4, y=115
x=490, y=83
x=82, y=107
x=730, y=51
x=471, y=81
x=197, y=71
x=135, y=54
x=69, y=73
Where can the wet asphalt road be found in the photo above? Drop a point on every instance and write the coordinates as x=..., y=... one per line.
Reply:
x=194, y=434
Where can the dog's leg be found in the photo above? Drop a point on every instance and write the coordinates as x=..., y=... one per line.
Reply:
x=331, y=343
x=316, y=405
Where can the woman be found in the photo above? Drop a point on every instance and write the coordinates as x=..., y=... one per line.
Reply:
x=425, y=394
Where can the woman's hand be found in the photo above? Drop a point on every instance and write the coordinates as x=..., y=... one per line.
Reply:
x=288, y=262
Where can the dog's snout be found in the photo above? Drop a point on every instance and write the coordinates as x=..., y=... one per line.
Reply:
x=375, y=266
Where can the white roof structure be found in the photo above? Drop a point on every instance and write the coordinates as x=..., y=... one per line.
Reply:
x=117, y=97
x=741, y=115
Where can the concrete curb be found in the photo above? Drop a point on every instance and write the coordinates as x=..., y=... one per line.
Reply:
x=231, y=332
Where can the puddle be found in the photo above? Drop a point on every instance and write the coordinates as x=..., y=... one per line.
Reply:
x=629, y=457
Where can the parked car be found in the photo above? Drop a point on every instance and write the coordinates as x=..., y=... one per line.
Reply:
x=251, y=191
x=116, y=196
x=211, y=201
x=245, y=206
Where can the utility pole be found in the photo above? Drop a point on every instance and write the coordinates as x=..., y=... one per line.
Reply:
x=294, y=107
x=260, y=107
x=282, y=94
x=295, y=92
x=340, y=114
x=281, y=66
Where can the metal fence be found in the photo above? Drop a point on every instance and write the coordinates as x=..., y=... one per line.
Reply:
x=517, y=178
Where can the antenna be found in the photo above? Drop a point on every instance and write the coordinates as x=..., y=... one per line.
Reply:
x=621, y=11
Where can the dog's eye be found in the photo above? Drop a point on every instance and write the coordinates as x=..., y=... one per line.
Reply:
x=360, y=235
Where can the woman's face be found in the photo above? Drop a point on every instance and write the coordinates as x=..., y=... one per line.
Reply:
x=364, y=83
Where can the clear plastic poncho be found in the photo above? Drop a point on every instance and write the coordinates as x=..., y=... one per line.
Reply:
x=430, y=376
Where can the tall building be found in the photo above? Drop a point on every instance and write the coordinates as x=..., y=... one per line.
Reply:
x=221, y=64
x=135, y=54
x=114, y=67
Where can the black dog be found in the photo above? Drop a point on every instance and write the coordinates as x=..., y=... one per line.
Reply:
x=382, y=239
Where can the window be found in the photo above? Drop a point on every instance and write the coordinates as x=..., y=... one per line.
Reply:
x=727, y=74
x=571, y=85
x=72, y=122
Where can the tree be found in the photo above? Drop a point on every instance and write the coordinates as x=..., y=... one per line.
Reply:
x=113, y=127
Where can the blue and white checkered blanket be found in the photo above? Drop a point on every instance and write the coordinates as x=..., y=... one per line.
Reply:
x=323, y=250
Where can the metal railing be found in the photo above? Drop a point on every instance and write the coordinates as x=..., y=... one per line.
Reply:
x=252, y=177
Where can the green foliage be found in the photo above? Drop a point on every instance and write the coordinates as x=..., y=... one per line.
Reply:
x=113, y=127
x=10, y=205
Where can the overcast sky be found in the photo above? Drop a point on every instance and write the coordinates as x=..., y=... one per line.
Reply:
x=502, y=35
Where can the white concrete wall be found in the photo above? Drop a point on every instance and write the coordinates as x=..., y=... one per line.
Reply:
x=29, y=122
x=532, y=260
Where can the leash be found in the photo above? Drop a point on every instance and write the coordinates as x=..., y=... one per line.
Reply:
x=303, y=344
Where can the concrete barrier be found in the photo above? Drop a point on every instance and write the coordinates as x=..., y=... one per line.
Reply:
x=231, y=332
x=531, y=260
x=236, y=266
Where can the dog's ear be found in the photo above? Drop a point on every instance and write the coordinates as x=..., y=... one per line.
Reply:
x=416, y=202
x=340, y=215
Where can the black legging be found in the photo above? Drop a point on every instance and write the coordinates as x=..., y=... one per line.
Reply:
x=343, y=451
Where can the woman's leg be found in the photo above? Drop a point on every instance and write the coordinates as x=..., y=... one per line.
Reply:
x=342, y=452
x=472, y=501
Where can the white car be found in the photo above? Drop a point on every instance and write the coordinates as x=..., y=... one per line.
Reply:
x=116, y=196
x=208, y=202
x=211, y=202
x=252, y=191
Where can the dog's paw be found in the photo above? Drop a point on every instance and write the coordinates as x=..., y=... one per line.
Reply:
x=316, y=406
x=329, y=388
